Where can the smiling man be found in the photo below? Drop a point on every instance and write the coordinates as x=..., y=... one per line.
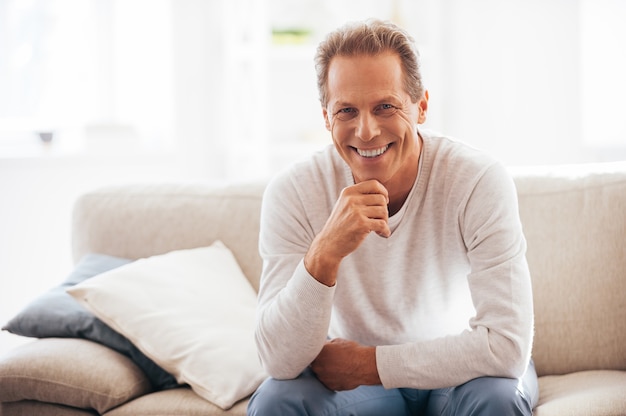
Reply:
x=394, y=277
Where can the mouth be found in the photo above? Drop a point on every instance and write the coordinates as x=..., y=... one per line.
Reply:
x=372, y=153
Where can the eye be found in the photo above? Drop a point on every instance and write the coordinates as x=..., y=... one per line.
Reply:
x=347, y=113
x=385, y=109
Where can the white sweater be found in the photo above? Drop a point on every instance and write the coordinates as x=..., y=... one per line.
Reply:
x=445, y=299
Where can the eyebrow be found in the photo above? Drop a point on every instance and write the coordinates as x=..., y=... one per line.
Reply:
x=385, y=99
x=341, y=104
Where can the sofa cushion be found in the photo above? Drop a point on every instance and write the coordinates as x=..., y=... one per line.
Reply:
x=191, y=311
x=71, y=372
x=574, y=219
x=599, y=393
x=32, y=407
x=175, y=402
x=56, y=314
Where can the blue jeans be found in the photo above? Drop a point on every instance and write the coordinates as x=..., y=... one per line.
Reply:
x=305, y=395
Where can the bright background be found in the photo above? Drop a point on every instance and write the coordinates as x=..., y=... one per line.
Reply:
x=224, y=90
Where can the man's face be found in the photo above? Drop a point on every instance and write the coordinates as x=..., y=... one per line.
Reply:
x=372, y=119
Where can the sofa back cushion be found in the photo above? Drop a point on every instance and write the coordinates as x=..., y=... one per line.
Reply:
x=574, y=219
x=146, y=220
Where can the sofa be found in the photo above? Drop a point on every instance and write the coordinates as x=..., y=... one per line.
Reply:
x=574, y=219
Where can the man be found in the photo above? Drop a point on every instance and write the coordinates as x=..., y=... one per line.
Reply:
x=394, y=277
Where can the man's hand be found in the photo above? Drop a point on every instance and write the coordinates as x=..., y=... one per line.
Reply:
x=360, y=210
x=345, y=365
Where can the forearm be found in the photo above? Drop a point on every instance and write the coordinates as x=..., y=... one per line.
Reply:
x=292, y=328
x=450, y=361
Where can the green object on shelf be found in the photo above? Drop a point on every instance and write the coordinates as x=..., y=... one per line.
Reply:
x=290, y=36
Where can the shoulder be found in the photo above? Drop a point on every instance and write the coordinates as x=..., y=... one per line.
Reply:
x=459, y=164
x=449, y=153
x=467, y=178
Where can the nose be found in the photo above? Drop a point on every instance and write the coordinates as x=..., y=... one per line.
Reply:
x=367, y=127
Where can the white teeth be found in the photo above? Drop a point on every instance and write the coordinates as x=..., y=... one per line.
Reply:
x=372, y=153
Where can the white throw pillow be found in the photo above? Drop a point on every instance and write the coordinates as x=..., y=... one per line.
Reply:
x=191, y=311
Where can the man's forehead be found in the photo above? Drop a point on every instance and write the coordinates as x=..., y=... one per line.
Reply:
x=350, y=86
x=363, y=71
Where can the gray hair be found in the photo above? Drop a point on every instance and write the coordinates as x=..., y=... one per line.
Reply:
x=370, y=37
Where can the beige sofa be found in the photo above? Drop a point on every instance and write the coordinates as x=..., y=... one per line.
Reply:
x=574, y=218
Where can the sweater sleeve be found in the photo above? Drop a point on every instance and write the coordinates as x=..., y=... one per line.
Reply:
x=499, y=339
x=294, y=309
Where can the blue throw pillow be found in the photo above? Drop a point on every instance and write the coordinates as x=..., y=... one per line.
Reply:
x=55, y=314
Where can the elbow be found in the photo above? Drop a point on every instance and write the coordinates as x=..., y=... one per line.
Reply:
x=275, y=363
x=511, y=357
x=278, y=372
x=515, y=367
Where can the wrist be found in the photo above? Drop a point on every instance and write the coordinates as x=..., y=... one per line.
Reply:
x=370, y=368
x=321, y=265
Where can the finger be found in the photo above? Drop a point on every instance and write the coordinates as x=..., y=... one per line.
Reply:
x=381, y=227
x=376, y=212
x=373, y=187
x=375, y=200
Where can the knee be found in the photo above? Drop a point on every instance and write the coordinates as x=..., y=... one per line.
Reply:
x=285, y=397
x=269, y=399
x=488, y=396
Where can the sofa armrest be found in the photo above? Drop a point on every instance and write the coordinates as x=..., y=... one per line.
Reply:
x=136, y=221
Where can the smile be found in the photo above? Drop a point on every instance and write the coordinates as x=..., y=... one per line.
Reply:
x=372, y=152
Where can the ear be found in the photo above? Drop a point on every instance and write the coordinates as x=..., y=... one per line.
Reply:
x=326, y=119
x=423, y=108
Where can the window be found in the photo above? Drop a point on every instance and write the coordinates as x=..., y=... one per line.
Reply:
x=82, y=68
